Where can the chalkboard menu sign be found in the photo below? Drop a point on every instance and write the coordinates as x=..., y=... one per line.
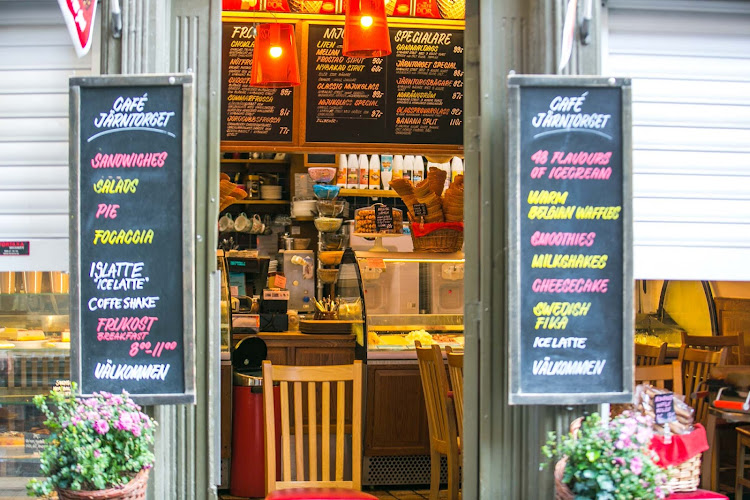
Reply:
x=570, y=287
x=413, y=96
x=131, y=173
x=250, y=113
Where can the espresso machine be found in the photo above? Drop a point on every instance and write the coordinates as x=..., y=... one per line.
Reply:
x=247, y=277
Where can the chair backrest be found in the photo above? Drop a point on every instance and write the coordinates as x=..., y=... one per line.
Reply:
x=456, y=372
x=658, y=375
x=696, y=366
x=735, y=343
x=441, y=416
x=649, y=355
x=316, y=382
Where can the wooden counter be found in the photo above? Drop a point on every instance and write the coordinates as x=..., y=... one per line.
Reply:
x=300, y=349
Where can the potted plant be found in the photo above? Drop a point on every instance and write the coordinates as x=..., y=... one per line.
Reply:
x=98, y=447
x=607, y=460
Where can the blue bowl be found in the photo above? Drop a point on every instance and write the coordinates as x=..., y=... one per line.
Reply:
x=325, y=191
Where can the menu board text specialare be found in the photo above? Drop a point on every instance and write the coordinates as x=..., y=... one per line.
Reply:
x=570, y=230
x=130, y=231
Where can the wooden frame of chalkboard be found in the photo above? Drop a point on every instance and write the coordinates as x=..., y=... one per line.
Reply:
x=570, y=269
x=349, y=142
x=132, y=236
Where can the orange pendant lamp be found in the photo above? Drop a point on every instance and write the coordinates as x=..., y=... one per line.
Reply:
x=275, y=57
x=366, y=29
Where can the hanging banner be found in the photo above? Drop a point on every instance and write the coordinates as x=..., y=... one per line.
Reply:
x=79, y=17
x=570, y=283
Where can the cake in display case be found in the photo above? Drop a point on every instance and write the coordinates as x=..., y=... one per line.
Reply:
x=405, y=297
x=34, y=356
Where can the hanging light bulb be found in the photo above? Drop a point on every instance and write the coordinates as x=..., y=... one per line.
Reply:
x=275, y=57
x=366, y=29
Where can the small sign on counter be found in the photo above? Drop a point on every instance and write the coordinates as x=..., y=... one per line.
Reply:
x=664, y=408
x=383, y=218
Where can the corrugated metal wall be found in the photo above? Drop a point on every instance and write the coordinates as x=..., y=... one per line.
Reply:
x=690, y=64
x=36, y=59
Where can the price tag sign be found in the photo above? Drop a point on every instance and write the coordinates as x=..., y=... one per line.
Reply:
x=279, y=281
x=664, y=408
x=375, y=263
x=420, y=209
x=383, y=218
x=33, y=443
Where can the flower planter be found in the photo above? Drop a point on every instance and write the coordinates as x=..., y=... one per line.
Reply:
x=134, y=490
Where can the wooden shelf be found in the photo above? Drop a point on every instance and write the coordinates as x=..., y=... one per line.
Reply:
x=369, y=193
x=261, y=202
x=455, y=257
x=256, y=161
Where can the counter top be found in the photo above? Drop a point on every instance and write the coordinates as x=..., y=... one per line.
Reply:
x=297, y=336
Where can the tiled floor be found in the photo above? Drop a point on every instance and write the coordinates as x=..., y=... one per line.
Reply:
x=394, y=494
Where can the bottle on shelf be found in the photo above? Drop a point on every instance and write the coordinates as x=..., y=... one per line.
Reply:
x=386, y=170
x=364, y=172
x=398, y=166
x=408, y=167
x=457, y=167
x=352, y=181
x=418, y=173
x=342, y=172
x=374, y=177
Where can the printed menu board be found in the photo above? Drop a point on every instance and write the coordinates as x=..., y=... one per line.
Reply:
x=570, y=285
x=250, y=113
x=131, y=236
x=412, y=96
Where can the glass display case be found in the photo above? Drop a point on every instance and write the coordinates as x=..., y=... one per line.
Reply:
x=34, y=355
x=405, y=296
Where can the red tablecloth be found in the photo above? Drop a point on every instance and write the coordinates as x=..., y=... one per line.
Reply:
x=696, y=495
x=682, y=448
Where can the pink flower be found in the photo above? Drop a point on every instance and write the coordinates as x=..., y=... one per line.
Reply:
x=97, y=453
x=636, y=465
x=101, y=426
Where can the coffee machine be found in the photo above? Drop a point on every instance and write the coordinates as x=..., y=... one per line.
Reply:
x=299, y=270
x=247, y=277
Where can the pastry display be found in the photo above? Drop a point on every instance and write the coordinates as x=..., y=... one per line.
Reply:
x=439, y=206
x=364, y=221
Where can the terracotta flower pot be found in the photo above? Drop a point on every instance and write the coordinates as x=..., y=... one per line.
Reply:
x=134, y=490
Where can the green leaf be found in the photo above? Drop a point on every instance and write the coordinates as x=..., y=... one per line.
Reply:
x=605, y=483
x=593, y=455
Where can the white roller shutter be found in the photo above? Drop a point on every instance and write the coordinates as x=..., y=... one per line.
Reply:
x=36, y=60
x=690, y=65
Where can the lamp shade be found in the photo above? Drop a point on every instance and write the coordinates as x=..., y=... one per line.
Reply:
x=275, y=57
x=366, y=29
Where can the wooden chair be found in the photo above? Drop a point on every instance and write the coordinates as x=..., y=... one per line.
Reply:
x=649, y=355
x=696, y=365
x=314, y=380
x=441, y=419
x=456, y=372
x=658, y=375
x=734, y=343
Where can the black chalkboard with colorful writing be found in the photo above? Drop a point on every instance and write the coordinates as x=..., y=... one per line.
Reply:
x=248, y=113
x=412, y=96
x=131, y=200
x=570, y=261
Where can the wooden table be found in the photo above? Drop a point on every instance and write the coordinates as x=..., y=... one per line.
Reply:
x=708, y=481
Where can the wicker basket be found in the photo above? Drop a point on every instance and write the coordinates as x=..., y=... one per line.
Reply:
x=562, y=492
x=439, y=237
x=684, y=476
x=134, y=490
